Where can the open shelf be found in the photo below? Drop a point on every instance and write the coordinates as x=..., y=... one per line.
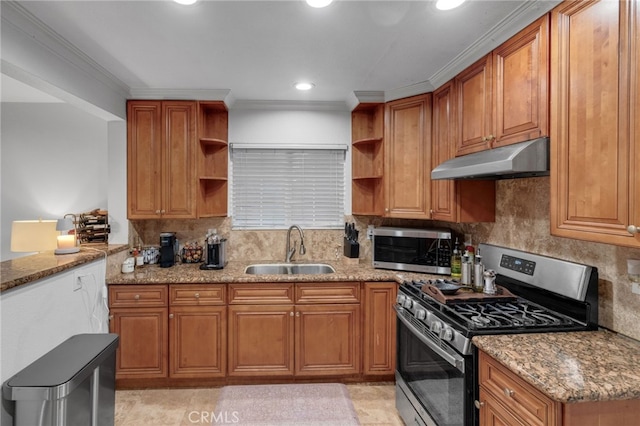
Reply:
x=213, y=158
x=367, y=131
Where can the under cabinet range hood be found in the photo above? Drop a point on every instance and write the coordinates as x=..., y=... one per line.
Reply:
x=524, y=159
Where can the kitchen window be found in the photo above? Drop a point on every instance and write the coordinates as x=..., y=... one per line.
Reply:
x=276, y=187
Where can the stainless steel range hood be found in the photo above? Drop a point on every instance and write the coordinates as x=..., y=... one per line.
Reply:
x=523, y=159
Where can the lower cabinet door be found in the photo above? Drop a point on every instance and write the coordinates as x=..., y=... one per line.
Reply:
x=379, y=340
x=327, y=340
x=492, y=413
x=260, y=340
x=142, y=352
x=197, y=341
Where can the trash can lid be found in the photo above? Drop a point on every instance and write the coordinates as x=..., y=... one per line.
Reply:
x=58, y=372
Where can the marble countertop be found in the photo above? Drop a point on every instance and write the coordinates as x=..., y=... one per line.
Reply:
x=185, y=273
x=23, y=270
x=571, y=367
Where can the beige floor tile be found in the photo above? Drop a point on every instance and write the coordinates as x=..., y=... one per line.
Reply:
x=374, y=404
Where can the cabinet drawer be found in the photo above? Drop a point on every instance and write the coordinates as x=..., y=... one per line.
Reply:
x=137, y=295
x=526, y=402
x=258, y=294
x=210, y=294
x=338, y=292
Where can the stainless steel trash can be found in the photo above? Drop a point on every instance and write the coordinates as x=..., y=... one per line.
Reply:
x=71, y=385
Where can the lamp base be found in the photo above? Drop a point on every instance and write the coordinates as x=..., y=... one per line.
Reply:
x=67, y=250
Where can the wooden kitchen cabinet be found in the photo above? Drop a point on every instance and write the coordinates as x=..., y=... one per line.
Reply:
x=261, y=330
x=379, y=334
x=503, y=98
x=213, y=159
x=455, y=200
x=271, y=336
x=595, y=121
x=407, y=156
x=161, y=159
x=197, y=331
x=139, y=315
x=509, y=400
x=367, y=156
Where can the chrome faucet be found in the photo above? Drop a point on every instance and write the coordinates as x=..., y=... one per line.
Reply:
x=291, y=251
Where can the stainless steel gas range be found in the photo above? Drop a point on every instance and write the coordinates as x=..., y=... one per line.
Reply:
x=436, y=375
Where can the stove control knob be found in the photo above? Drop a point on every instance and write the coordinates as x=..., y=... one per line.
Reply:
x=436, y=327
x=400, y=299
x=447, y=335
x=421, y=314
x=408, y=303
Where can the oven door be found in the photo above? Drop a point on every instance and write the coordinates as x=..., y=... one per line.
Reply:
x=432, y=378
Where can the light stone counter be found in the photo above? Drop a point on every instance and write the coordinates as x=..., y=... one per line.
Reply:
x=571, y=367
x=185, y=273
x=23, y=270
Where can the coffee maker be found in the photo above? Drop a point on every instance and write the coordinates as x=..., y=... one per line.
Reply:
x=216, y=252
x=168, y=249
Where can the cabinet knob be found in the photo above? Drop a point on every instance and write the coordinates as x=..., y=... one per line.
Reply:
x=197, y=295
x=478, y=404
x=157, y=211
x=137, y=297
x=508, y=392
x=298, y=314
x=170, y=315
x=110, y=317
x=632, y=229
x=163, y=211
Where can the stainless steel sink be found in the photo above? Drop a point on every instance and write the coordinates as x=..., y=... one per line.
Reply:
x=289, y=269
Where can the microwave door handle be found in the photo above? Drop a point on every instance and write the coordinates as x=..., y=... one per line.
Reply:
x=455, y=361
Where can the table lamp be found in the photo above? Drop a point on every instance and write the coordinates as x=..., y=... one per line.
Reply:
x=33, y=235
x=67, y=242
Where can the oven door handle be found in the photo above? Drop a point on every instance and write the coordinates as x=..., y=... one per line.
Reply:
x=454, y=360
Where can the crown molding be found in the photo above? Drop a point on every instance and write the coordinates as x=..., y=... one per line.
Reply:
x=183, y=94
x=405, y=92
x=243, y=104
x=20, y=19
x=501, y=32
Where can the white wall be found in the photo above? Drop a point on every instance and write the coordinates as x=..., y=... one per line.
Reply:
x=54, y=161
x=294, y=126
x=37, y=317
x=117, y=180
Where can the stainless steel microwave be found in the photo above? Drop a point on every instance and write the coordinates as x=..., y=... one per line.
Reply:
x=415, y=250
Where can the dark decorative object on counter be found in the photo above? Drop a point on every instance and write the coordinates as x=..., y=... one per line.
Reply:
x=93, y=227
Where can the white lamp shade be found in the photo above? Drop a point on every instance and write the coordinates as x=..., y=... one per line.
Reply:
x=33, y=235
x=65, y=224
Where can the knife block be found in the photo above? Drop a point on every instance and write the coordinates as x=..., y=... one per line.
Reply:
x=351, y=249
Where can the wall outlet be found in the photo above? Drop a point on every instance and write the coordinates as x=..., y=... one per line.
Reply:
x=635, y=288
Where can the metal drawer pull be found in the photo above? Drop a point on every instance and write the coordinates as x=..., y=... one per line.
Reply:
x=137, y=297
x=632, y=229
x=478, y=404
x=170, y=315
x=508, y=392
x=197, y=295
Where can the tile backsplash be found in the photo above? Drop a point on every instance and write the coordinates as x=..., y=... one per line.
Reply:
x=522, y=222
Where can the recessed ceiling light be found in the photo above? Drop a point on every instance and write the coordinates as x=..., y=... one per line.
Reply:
x=304, y=86
x=319, y=3
x=186, y=2
x=448, y=4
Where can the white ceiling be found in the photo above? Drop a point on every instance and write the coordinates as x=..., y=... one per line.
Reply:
x=257, y=49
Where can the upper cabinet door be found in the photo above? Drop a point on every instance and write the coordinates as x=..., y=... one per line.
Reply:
x=521, y=91
x=595, y=151
x=474, y=107
x=144, y=159
x=179, y=168
x=408, y=157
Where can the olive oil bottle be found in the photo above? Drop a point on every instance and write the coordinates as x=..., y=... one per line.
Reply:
x=456, y=262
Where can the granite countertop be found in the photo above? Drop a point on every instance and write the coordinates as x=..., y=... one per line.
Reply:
x=16, y=272
x=185, y=273
x=571, y=367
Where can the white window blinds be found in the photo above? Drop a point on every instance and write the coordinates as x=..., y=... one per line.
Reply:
x=274, y=188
